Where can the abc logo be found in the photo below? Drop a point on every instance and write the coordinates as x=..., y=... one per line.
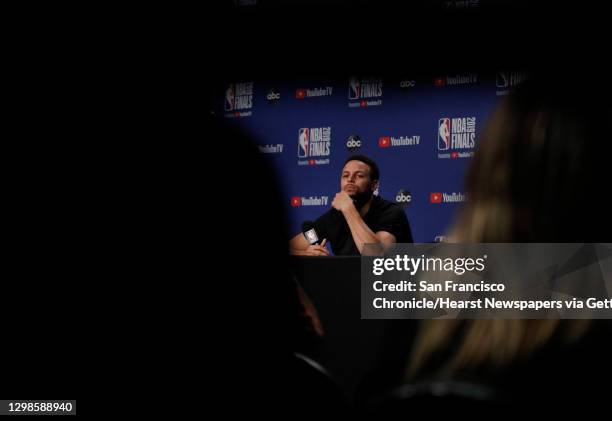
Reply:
x=273, y=95
x=354, y=142
x=403, y=197
x=407, y=84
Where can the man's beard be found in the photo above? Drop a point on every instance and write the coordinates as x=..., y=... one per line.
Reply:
x=361, y=198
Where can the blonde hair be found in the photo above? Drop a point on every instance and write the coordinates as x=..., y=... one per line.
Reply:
x=512, y=163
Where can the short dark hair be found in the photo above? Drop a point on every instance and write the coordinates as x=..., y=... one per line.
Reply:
x=374, y=171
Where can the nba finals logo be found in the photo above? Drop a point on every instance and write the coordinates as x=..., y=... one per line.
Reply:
x=457, y=137
x=363, y=92
x=314, y=145
x=239, y=99
x=505, y=82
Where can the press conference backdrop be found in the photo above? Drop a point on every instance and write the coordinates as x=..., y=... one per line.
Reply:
x=422, y=132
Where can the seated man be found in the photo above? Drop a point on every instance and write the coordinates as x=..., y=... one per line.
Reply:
x=357, y=217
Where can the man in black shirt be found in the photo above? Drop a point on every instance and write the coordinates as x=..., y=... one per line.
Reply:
x=357, y=217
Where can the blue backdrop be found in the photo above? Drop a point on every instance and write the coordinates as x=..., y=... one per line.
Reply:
x=422, y=133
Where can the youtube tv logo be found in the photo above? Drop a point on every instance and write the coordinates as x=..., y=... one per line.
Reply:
x=455, y=197
x=300, y=94
x=297, y=201
x=384, y=142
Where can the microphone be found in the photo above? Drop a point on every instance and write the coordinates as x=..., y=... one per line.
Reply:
x=308, y=229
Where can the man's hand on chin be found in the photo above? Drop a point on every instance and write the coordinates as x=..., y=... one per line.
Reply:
x=342, y=202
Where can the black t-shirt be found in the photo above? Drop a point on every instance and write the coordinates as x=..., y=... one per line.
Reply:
x=382, y=216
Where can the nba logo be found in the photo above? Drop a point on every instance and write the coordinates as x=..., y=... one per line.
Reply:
x=443, y=134
x=354, y=88
x=303, y=142
x=229, y=98
x=311, y=236
x=501, y=80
